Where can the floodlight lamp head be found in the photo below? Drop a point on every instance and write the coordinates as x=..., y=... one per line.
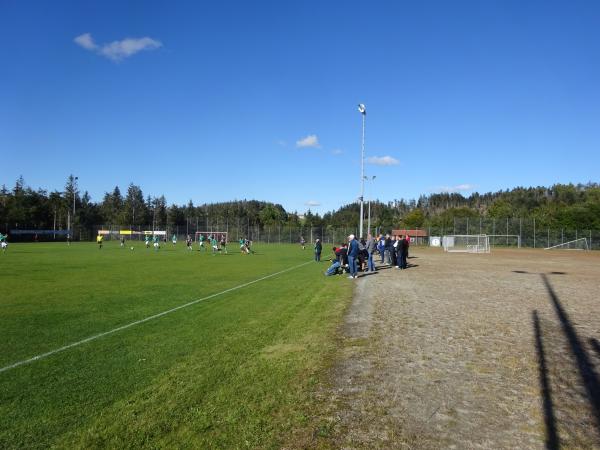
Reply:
x=362, y=109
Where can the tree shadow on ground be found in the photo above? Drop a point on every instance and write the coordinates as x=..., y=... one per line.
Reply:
x=595, y=345
x=552, y=441
x=573, y=371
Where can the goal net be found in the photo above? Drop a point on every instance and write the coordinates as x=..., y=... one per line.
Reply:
x=208, y=235
x=577, y=244
x=466, y=243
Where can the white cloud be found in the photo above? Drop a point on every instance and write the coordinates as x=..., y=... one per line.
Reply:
x=118, y=50
x=382, y=161
x=313, y=203
x=309, y=141
x=86, y=41
x=336, y=151
x=458, y=188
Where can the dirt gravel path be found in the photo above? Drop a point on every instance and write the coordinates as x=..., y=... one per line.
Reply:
x=469, y=351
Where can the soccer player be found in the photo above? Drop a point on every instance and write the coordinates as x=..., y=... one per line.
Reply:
x=302, y=242
x=3, y=243
x=224, y=244
x=201, y=242
x=174, y=239
x=147, y=241
x=122, y=241
x=188, y=242
x=156, y=244
x=249, y=246
x=99, y=240
x=215, y=247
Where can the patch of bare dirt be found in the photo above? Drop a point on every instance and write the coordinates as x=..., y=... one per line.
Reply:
x=468, y=351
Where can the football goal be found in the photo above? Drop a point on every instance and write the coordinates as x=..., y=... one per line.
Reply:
x=577, y=244
x=466, y=243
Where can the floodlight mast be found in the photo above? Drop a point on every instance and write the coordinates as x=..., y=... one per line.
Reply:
x=363, y=111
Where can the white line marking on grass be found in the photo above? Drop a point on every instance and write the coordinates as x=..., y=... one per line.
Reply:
x=137, y=322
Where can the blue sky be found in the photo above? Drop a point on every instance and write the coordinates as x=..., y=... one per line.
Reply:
x=214, y=101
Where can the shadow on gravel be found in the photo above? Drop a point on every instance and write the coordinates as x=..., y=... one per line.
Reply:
x=585, y=367
x=552, y=441
x=595, y=345
x=366, y=274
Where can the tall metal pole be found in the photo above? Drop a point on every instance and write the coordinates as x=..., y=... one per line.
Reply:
x=369, y=222
x=371, y=179
x=74, y=188
x=363, y=111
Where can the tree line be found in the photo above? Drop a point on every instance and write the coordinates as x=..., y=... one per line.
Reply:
x=566, y=206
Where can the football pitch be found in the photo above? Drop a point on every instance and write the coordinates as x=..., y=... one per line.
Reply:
x=166, y=348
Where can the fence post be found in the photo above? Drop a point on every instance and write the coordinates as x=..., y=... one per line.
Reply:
x=520, y=230
x=534, y=232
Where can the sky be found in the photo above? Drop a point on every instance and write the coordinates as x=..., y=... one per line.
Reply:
x=216, y=101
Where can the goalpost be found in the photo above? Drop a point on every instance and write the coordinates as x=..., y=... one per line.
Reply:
x=466, y=243
x=577, y=244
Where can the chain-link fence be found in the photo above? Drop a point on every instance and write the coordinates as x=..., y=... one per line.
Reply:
x=515, y=232
x=502, y=232
x=270, y=234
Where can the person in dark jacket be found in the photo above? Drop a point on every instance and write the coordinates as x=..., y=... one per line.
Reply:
x=389, y=249
x=363, y=255
x=381, y=247
x=400, y=249
x=318, y=249
x=404, y=264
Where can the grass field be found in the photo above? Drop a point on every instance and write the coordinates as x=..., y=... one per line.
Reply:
x=234, y=370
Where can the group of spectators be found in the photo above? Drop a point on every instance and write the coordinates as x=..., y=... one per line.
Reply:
x=358, y=255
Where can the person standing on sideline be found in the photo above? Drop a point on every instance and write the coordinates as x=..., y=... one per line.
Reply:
x=389, y=249
x=371, y=246
x=400, y=249
x=404, y=263
x=381, y=247
x=318, y=249
x=352, y=256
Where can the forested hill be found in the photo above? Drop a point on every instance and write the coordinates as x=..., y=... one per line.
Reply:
x=561, y=205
